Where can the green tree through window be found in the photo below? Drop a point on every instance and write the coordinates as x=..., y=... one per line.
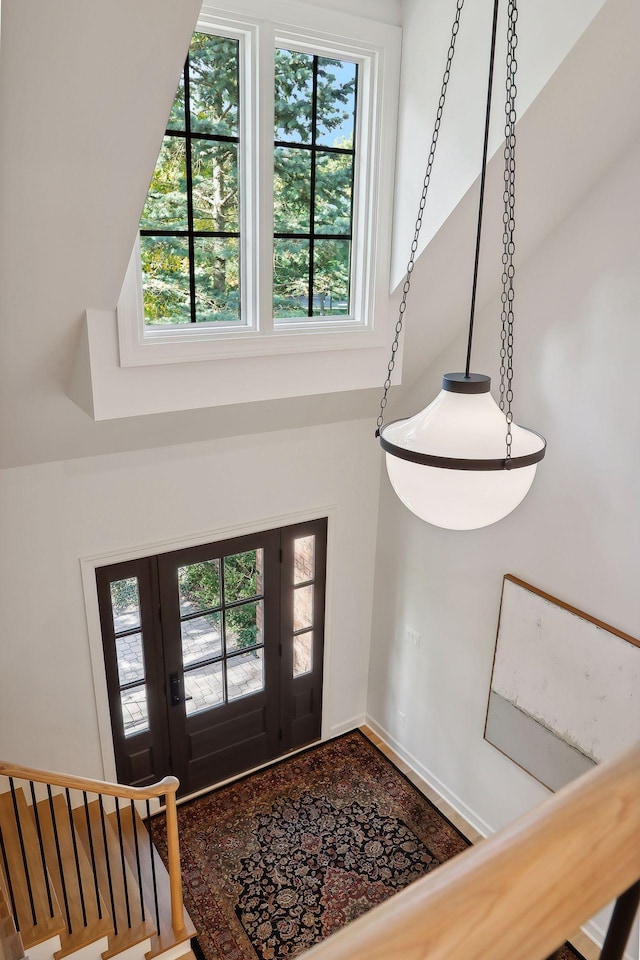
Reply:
x=314, y=156
x=191, y=223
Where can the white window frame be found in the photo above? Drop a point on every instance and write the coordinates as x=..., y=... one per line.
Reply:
x=375, y=48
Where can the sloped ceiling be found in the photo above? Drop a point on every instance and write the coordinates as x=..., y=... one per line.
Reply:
x=586, y=116
x=85, y=88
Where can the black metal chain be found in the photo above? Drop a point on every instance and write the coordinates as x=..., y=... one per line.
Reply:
x=425, y=187
x=509, y=224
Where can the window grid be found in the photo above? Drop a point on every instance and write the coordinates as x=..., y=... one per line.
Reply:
x=226, y=655
x=188, y=135
x=315, y=149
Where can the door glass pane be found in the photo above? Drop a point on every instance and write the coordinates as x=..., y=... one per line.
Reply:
x=199, y=586
x=302, y=607
x=302, y=654
x=245, y=674
x=243, y=626
x=125, y=603
x=130, y=658
x=243, y=576
x=204, y=686
x=303, y=559
x=201, y=638
x=135, y=714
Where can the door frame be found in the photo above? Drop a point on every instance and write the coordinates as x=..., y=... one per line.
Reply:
x=89, y=564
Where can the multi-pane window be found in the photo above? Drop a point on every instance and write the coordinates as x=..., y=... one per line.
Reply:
x=190, y=225
x=192, y=253
x=221, y=626
x=303, y=614
x=127, y=627
x=314, y=159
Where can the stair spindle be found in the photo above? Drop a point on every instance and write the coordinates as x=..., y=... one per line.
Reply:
x=74, y=842
x=114, y=918
x=45, y=872
x=153, y=867
x=123, y=863
x=134, y=824
x=92, y=854
x=56, y=838
x=23, y=852
x=7, y=874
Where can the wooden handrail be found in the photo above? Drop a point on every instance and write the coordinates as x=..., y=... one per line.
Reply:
x=520, y=893
x=163, y=788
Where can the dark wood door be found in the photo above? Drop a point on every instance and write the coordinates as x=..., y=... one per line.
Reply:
x=221, y=628
x=214, y=655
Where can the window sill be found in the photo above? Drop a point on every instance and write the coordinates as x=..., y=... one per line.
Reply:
x=106, y=390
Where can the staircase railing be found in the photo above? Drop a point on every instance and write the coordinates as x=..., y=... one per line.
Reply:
x=524, y=891
x=53, y=810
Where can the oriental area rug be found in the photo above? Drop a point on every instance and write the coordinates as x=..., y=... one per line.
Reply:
x=279, y=860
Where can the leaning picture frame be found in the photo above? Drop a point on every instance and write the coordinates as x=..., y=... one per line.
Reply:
x=565, y=686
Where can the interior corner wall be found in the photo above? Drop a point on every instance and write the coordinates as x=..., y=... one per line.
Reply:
x=577, y=533
x=55, y=514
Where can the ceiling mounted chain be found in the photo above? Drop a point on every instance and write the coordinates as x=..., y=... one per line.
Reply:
x=509, y=224
x=425, y=187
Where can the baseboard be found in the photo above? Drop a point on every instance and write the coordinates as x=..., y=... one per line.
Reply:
x=345, y=727
x=591, y=929
x=434, y=782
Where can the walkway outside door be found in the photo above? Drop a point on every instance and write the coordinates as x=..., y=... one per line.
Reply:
x=213, y=654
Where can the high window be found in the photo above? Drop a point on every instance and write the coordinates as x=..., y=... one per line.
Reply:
x=266, y=230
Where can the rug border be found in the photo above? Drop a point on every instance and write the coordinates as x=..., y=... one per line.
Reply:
x=316, y=746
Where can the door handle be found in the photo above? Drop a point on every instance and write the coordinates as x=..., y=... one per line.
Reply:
x=174, y=688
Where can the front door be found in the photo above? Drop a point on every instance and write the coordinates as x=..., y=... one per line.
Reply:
x=213, y=655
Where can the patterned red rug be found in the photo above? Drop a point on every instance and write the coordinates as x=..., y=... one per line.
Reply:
x=279, y=860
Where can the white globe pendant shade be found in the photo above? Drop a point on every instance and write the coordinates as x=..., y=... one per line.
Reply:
x=448, y=463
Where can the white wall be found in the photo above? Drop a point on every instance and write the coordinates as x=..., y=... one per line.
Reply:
x=546, y=32
x=54, y=515
x=576, y=535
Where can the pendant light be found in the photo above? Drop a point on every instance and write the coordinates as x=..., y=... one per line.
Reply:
x=462, y=463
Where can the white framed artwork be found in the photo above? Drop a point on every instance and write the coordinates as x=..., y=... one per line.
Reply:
x=565, y=687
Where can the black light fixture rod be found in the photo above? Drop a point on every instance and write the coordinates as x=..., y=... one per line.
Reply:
x=483, y=177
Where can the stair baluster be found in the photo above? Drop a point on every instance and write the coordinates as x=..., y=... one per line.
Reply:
x=134, y=824
x=27, y=873
x=123, y=863
x=76, y=857
x=114, y=918
x=7, y=873
x=54, y=824
x=92, y=854
x=45, y=872
x=153, y=866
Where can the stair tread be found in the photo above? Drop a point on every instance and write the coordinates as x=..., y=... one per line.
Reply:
x=128, y=935
x=49, y=922
x=96, y=927
x=166, y=937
